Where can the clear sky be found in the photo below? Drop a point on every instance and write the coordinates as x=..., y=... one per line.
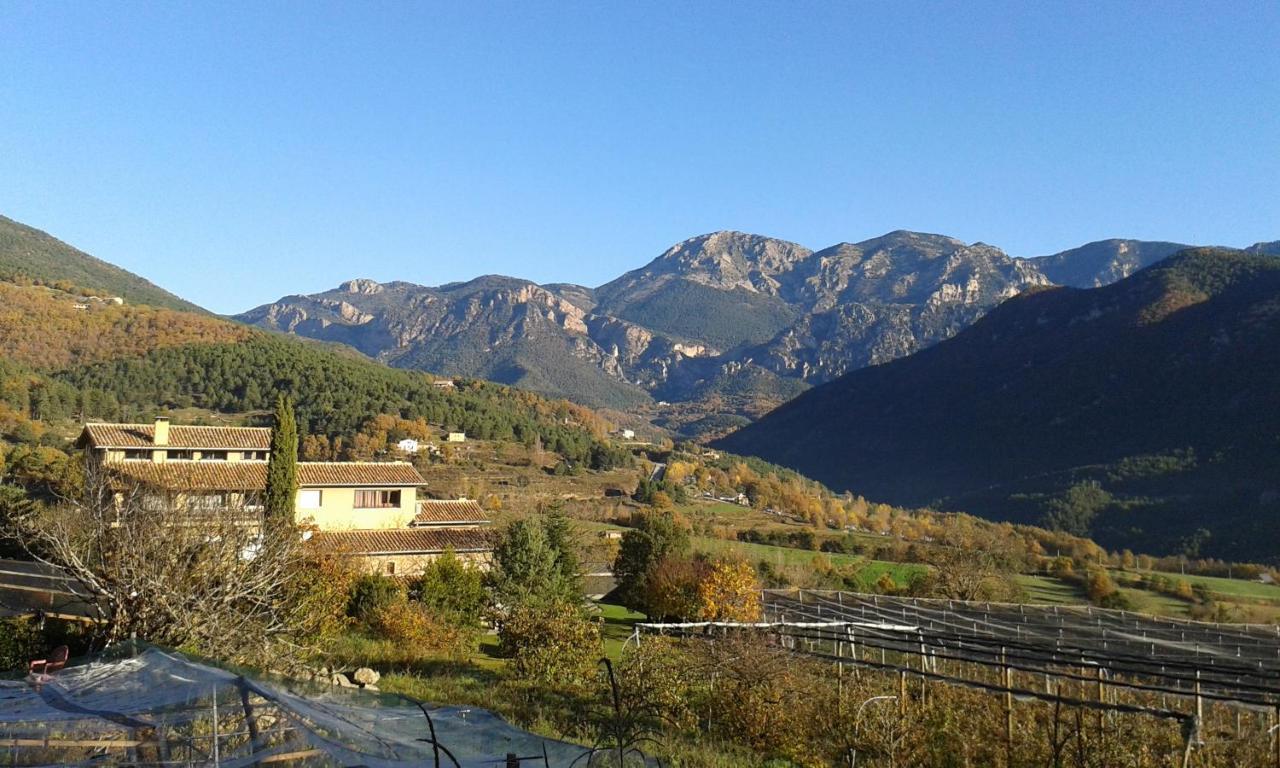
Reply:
x=236, y=152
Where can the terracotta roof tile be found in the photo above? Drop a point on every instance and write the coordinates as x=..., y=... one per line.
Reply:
x=405, y=540
x=143, y=436
x=193, y=475
x=449, y=511
x=327, y=473
x=252, y=475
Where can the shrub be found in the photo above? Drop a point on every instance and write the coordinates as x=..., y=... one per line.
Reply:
x=885, y=585
x=412, y=625
x=371, y=593
x=1183, y=590
x=452, y=590
x=551, y=645
x=20, y=641
x=320, y=593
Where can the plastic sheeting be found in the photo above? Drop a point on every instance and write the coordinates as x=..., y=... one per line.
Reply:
x=161, y=708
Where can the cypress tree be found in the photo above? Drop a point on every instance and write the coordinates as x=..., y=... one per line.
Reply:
x=282, y=466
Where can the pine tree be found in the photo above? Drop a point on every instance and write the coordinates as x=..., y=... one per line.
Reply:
x=282, y=467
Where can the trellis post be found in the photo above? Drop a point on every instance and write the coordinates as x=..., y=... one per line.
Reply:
x=839, y=672
x=1276, y=731
x=1199, y=700
x=1006, y=678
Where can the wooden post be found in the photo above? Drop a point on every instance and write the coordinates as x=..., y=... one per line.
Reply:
x=216, y=761
x=902, y=693
x=1277, y=737
x=839, y=675
x=924, y=667
x=1199, y=702
x=1186, y=750
x=1102, y=715
x=1006, y=678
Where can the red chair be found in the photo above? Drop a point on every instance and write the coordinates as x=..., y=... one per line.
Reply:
x=56, y=661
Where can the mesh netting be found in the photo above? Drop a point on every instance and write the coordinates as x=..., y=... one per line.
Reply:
x=160, y=708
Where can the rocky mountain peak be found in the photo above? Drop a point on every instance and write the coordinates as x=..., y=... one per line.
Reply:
x=730, y=259
x=724, y=261
x=362, y=286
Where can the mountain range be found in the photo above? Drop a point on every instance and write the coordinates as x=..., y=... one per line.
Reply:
x=1145, y=413
x=723, y=323
x=1136, y=404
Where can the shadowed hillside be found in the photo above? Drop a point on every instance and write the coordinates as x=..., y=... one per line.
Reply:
x=1141, y=411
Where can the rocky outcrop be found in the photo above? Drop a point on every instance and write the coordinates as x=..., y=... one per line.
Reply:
x=707, y=310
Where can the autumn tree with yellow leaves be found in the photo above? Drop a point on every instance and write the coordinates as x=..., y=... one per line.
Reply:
x=730, y=591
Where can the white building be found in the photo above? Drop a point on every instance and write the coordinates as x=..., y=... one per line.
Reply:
x=408, y=445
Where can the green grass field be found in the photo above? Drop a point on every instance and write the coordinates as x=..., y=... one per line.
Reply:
x=1049, y=591
x=1145, y=601
x=868, y=571
x=1237, y=588
x=619, y=623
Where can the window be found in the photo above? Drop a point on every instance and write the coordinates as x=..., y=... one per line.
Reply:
x=391, y=569
x=180, y=455
x=377, y=499
x=153, y=502
x=309, y=498
x=254, y=455
x=213, y=456
x=137, y=454
x=209, y=502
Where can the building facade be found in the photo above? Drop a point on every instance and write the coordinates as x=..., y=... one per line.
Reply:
x=367, y=510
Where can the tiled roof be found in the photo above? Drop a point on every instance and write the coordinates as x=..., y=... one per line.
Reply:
x=252, y=475
x=327, y=473
x=449, y=512
x=143, y=436
x=193, y=475
x=394, y=541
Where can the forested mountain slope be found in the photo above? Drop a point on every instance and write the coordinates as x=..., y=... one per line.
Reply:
x=28, y=253
x=1141, y=411
x=53, y=328
x=67, y=359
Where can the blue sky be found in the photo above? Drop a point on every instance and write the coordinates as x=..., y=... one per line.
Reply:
x=235, y=152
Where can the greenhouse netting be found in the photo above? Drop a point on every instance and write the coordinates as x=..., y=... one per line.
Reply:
x=150, y=706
